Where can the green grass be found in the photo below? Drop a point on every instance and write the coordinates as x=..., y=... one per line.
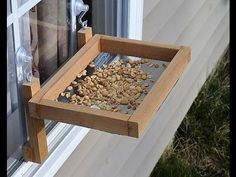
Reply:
x=201, y=144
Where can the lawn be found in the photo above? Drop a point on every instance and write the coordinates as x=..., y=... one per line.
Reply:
x=201, y=144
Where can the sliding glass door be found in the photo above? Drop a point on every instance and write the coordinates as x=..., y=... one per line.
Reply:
x=43, y=29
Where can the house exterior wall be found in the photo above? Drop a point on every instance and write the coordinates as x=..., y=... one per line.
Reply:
x=204, y=26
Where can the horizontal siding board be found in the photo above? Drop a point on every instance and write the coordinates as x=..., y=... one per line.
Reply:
x=197, y=22
x=150, y=160
x=209, y=26
x=118, y=157
x=87, y=145
x=185, y=86
x=206, y=32
x=203, y=41
x=179, y=20
x=102, y=147
x=158, y=17
x=149, y=5
x=98, y=152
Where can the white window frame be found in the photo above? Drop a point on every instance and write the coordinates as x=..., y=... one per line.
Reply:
x=59, y=152
x=15, y=15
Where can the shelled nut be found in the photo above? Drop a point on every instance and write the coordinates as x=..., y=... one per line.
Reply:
x=124, y=100
x=69, y=88
x=74, y=84
x=150, y=65
x=67, y=95
x=92, y=65
x=115, y=110
x=152, y=80
x=164, y=65
x=84, y=72
x=78, y=76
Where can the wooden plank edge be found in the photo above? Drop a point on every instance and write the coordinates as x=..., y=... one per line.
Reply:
x=35, y=149
x=133, y=129
x=139, y=119
x=141, y=42
x=84, y=35
x=112, y=122
x=138, y=48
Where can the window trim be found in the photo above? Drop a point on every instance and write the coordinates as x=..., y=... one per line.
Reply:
x=16, y=14
x=74, y=136
x=135, y=19
x=19, y=12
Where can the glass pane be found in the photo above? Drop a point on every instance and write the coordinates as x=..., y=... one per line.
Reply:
x=11, y=76
x=14, y=122
x=25, y=31
x=21, y=2
x=48, y=34
x=8, y=92
x=49, y=37
x=8, y=7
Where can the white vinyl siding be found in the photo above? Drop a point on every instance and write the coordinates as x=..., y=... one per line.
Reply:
x=204, y=26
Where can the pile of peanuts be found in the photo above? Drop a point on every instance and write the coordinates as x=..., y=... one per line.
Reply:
x=119, y=83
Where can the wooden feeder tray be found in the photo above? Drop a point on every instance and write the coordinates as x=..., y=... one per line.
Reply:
x=42, y=105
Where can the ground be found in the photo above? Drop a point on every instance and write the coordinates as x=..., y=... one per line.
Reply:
x=201, y=144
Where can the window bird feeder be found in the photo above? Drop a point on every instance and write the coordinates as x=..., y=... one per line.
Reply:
x=43, y=104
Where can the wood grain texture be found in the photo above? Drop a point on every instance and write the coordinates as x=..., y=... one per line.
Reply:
x=158, y=93
x=108, y=121
x=138, y=48
x=83, y=36
x=36, y=149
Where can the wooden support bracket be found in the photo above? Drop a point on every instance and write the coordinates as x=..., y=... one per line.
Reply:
x=36, y=149
x=83, y=36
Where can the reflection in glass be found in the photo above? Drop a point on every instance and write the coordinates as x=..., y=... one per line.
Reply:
x=15, y=131
x=11, y=73
x=49, y=37
x=8, y=7
x=21, y=2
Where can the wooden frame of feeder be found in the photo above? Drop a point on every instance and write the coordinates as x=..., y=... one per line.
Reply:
x=42, y=105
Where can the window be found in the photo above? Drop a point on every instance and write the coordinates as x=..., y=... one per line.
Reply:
x=43, y=28
x=16, y=131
